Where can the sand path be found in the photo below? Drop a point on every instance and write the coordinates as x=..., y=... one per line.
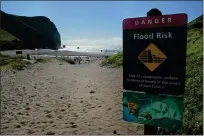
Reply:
x=59, y=98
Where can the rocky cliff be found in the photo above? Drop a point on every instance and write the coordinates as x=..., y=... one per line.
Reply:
x=33, y=32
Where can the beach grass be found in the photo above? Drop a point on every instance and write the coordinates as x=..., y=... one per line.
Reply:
x=114, y=61
x=17, y=63
x=66, y=59
x=43, y=60
x=193, y=97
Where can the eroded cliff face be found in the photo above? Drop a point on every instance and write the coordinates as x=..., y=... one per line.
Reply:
x=34, y=32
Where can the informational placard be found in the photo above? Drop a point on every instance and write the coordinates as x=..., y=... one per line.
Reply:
x=154, y=54
x=156, y=110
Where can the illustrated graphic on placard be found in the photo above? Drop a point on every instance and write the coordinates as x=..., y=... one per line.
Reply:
x=163, y=111
x=152, y=57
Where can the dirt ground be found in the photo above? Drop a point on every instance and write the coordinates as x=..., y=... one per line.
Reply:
x=60, y=98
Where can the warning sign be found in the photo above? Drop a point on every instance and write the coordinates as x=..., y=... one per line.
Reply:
x=154, y=54
x=152, y=57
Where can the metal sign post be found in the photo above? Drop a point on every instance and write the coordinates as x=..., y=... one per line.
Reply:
x=152, y=130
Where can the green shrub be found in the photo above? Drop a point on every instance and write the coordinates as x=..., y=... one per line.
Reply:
x=43, y=60
x=114, y=61
x=17, y=63
x=66, y=59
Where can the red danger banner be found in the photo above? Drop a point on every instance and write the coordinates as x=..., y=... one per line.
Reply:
x=155, y=21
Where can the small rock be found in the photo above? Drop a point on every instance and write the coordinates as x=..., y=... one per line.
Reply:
x=37, y=104
x=23, y=122
x=50, y=133
x=44, y=121
x=74, y=126
x=49, y=116
x=18, y=126
x=92, y=92
x=72, y=123
x=27, y=108
x=47, y=111
x=51, y=121
x=19, y=113
x=114, y=132
x=62, y=110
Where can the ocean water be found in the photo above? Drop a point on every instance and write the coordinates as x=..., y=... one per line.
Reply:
x=104, y=49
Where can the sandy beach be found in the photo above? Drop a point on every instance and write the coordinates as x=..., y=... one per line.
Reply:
x=64, y=99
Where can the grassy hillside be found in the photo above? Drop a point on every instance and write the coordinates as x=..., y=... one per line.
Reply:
x=5, y=36
x=196, y=23
x=193, y=97
x=193, y=121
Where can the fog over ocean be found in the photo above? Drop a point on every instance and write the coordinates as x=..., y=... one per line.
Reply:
x=109, y=49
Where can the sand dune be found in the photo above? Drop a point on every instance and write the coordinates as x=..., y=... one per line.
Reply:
x=54, y=98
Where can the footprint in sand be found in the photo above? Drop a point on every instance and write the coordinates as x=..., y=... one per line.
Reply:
x=18, y=126
x=74, y=126
x=49, y=116
x=27, y=108
x=23, y=122
x=69, y=105
x=72, y=123
x=47, y=111
x=50, y=133
x=30, y=131
x=60, y=117
x=37, y=104
x=63, y=110
x=44, y=122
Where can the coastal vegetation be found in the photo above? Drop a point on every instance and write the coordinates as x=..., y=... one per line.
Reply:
x=114, y=61
x=16, y=63
x=66, y=59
